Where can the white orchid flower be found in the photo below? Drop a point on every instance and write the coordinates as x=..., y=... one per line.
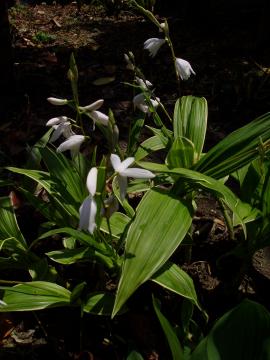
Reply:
x=61, y=126
x=56, y=101
x=144, y=84
x=99, y=117
x=96, y=116
x=123, y=172
x=88, y=209
x=153, y=45
x=73, y=143
x=139, y=102
x=184, y=69
x=57, y=120
x=94, y=106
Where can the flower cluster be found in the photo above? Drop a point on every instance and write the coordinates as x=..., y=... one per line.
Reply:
x=62, y=125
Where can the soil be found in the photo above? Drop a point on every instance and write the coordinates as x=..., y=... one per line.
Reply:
x=233, y=75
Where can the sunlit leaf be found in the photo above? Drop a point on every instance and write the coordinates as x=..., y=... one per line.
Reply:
x=190, y=121
x=8, y=224
x=34, y=295
x=173, y=278
x=151, y=239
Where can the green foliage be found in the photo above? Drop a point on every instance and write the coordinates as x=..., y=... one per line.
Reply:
x=43, y=37
x=241, y=333
x=98, y=208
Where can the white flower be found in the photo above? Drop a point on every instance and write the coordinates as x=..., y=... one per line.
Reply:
x=123, y=172
x=139, y=102
x=96, y=116
x=73, y=143
x=144, y=84
x=61, y=126
x=94, y=106
x=153, y=45
x=99, y=117
x=56, y=120
x=56, y=101
x=183, y=68
x=88, y=209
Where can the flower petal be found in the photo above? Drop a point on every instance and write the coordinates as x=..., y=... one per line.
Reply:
x=138, y=173
x=88, y=211
x=115, y=160
x=153, y=45
x=59, y=130
x=125, y=164
x=91, y=181
x=56, y=120
x=56, y=101
x=73, y=143
x=94, y=106
x=122, y=181
x=184, y=69
x=99, y=117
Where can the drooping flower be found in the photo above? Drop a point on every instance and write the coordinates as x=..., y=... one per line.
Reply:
x=153, y=45
x=123, y=172
x=140, y=103
x=88, y=209
x=94, y=106
x=56, y=101
x=184, y=69
x=61, y=126
x=73, y=143
x=99, y=117
x=96, y=116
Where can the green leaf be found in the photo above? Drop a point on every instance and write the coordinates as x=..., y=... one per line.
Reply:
x=134, y=355
x=151, y=239
x=62, y=199
x=100, y=303
x=69, y=256
x=174, y=343
x=195, y=180
x=150, y=145
x=62, y=169
x=118, y=222
x=181, y=153
x=134, y=136
x=236, y=150
x=34, y=295
x=242, y=333
x=83, y=237
x=8, y=224
x=128, y=208
x=173, y=278
x=190, y=121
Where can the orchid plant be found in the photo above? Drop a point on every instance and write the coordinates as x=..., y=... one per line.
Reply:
x=88, y=201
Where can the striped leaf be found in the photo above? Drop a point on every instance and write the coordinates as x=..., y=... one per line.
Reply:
x=152, y=238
